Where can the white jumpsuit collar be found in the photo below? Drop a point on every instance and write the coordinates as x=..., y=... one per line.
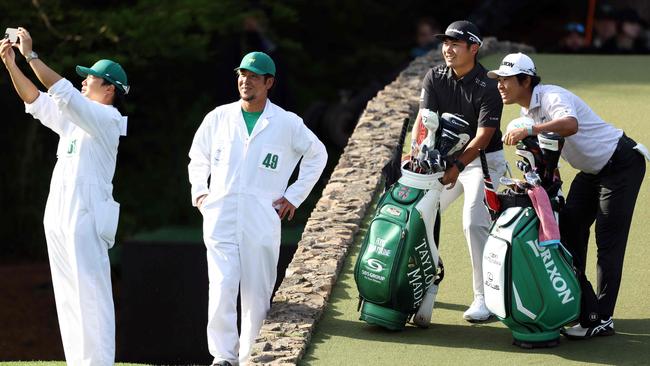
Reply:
x=262, y=122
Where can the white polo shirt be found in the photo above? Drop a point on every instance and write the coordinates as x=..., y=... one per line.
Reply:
x=593, y=145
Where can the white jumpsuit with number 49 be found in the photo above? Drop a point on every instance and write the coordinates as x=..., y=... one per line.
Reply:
x=81, y=219
x=241, y=229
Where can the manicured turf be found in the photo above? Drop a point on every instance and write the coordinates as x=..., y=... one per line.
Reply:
x=618, y=89
x=52, y=363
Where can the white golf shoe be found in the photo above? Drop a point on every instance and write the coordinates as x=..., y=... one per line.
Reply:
x=423, y=317
x=477, y=312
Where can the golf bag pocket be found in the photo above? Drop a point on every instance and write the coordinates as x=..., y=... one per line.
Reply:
x=494, y=276
x=378, y=260
x=107, y=215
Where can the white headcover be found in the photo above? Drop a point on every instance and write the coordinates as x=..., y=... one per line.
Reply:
x=521, y=122
x=431, y=123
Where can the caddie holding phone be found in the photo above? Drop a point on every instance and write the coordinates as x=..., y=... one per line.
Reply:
x=80, y=216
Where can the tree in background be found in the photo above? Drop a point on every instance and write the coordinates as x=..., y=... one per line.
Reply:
x=180, y=56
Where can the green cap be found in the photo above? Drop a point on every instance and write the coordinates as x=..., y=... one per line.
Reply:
x=258, y=62
x=109, y=70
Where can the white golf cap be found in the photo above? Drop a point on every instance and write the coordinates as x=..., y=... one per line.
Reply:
x=513, y=64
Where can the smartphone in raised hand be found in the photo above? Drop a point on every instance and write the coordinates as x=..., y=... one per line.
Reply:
x=12, y=34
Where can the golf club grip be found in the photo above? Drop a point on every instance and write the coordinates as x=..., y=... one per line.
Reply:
x=484, y=165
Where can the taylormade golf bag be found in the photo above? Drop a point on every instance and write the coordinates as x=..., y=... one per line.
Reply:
x=398, y=269
x=530, y=283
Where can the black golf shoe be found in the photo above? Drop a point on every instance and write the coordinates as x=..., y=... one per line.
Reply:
x=605, y=328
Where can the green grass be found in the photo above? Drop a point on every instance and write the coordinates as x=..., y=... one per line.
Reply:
x=52, y=363
x=618, y=89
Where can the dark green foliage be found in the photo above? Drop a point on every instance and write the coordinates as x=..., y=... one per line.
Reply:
x=179, y=56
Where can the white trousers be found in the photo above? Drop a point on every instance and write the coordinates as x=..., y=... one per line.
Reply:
x=250, y=267
x=476, y=218
x=81, y=275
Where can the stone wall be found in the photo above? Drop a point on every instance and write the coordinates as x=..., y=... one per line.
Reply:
x=302, y=298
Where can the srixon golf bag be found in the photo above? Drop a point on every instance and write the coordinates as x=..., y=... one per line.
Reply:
x=530, y=285
x=399, y=262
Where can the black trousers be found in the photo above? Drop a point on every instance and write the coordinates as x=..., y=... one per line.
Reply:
x=608, y=198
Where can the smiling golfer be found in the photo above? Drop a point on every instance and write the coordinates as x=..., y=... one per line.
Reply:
x=605, y=190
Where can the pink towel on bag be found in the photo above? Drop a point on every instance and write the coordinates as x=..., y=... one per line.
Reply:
x=549, y=232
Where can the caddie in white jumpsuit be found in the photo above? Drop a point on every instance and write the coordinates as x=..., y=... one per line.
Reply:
x=80, y=216
x=248, y=149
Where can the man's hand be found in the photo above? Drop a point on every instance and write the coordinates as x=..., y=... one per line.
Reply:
x=199, y=201
x=7, y=53
x=450, y=177
x=25, y=44
x=514, y=136
x=283, y=207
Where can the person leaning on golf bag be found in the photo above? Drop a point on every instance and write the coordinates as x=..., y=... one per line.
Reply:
x=461, y=87
x=81, y=216
x=611, y=169
x=248, y=150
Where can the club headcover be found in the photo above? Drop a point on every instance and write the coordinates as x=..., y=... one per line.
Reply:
x=529, y=149
x=551, y=145
x=454, y=136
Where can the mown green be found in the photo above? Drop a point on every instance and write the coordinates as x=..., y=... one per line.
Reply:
x=53, y=363
x=617, y=88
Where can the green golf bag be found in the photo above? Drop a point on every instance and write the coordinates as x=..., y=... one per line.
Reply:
x=398, y=269
x=399, y=260
x=532, y=288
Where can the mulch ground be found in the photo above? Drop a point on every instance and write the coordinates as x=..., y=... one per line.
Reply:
x=29, y=329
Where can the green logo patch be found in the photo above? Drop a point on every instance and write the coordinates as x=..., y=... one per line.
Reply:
x=72, y=148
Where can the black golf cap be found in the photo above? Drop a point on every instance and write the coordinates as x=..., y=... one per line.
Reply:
x=462, y=30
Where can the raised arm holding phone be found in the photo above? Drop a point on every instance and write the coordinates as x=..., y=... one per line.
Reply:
x=81, y=216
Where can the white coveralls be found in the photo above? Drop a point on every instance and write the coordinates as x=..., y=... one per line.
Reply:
x=81, y=219
x=241, y=229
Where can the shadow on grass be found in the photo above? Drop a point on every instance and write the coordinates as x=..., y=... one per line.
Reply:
x=448, y=306
x=630, y=346
x=337, y=336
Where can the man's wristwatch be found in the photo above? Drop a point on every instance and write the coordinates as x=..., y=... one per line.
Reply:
x=31, y=56
x=459, y=164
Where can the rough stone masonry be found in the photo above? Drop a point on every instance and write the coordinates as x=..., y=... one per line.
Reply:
x=302, y=297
